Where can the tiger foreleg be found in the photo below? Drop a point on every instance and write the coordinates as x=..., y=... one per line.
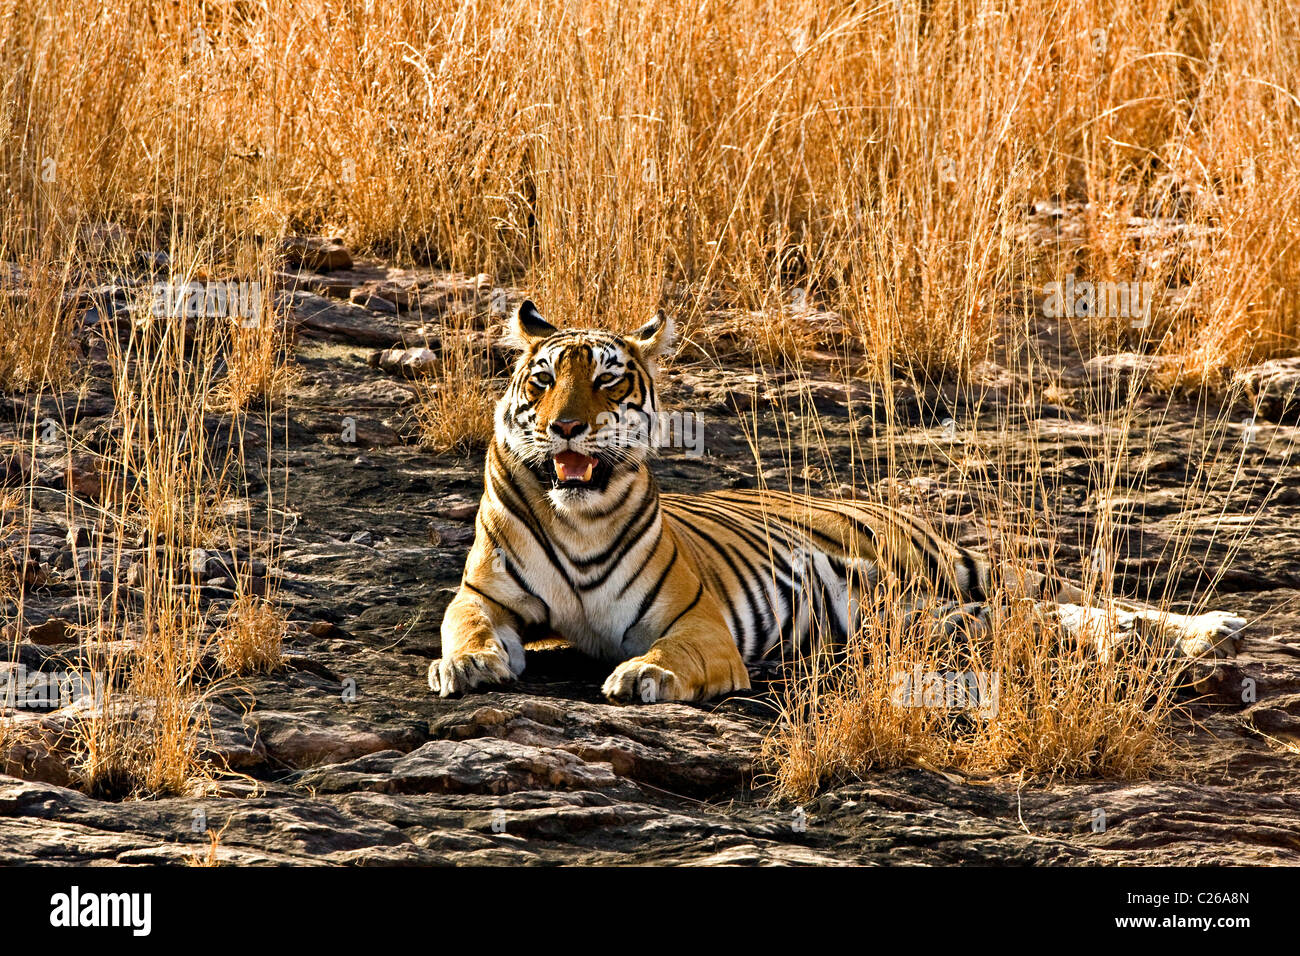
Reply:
x=696, y=659
x=478, y=650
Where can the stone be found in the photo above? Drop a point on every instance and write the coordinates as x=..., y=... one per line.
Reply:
x=346, y=321
x=207, y=564
x=1123, y=370
x=227, y=741
x=200, y=559
x=457, y=510
x=23, y=567
x=15, y=468
x=477, y=766
x=55, y=630
x=33, y=748
x=295, y=740
x=135, y=575
x=83, y=475
x=410, y=361
x=371, y=300
x=1276, y=388
x=316, y=253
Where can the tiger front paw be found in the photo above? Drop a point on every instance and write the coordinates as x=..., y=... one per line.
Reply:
x=470, y=670
x=639, y=680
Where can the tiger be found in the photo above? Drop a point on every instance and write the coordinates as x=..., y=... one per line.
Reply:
x=684, y=594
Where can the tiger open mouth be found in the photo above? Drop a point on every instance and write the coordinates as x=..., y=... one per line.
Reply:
x=573, y=469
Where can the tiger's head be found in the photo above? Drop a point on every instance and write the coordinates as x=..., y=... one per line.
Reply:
x=581, y=411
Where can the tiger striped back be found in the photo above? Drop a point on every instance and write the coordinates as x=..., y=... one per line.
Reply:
x=789, y=567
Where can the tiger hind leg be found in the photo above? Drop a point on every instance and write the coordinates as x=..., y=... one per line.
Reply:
x=1207, y=637
x=1115, y=625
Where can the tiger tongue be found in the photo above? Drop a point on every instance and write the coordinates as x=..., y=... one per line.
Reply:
x=572, y=466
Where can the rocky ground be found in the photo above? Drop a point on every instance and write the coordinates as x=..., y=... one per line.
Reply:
x=345, y=757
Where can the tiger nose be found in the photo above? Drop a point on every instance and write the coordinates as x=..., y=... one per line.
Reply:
x=568, y=427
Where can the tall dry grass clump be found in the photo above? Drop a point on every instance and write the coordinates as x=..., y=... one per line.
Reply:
x=879, y=157
x=165, y=475
x=1019, y=697
x=87, y=212
x=454, y=412
x=36, y=342
x=250, y=641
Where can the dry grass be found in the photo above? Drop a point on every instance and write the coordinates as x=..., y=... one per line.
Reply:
x=144, y=737
x=250, y=641
x=210, y=855
x=36, y=342
x=455, y=412
x=873, y=160
x=456, y=401
x=257, y=367
x=159, y=477
x=992, y=480
x=776, y=337
x=902, y=697
x=879, y=156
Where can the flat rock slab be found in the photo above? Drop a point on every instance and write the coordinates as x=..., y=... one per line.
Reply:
x=464, y=766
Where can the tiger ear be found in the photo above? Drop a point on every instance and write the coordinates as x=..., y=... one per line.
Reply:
x=655, y=337
x=527, y=327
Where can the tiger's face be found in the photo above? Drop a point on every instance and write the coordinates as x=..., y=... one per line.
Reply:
x=581, y=411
